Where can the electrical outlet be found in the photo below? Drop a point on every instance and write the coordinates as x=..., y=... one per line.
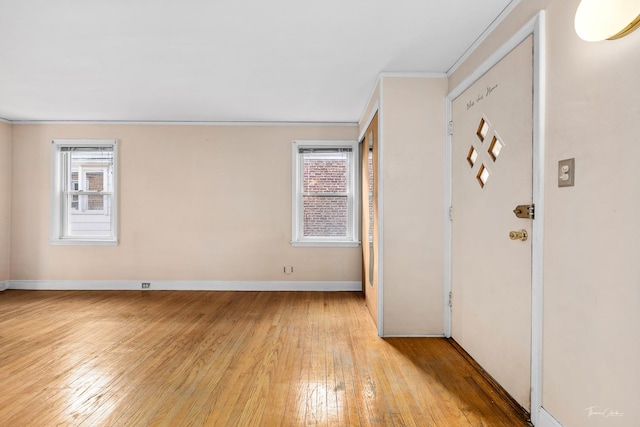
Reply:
x=146, y=285
x=288, y=269
x=566, y=172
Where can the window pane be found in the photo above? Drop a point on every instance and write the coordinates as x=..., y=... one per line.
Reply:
x=325, y=216
x=91, y=171
x=84, y=224
x=95, y=181
x=95, y=203
x=325, y=172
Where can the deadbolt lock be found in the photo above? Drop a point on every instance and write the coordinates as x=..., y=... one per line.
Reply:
x=525, y=211
x=519, y=235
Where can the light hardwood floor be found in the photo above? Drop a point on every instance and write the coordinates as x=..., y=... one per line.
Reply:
x=108, y=358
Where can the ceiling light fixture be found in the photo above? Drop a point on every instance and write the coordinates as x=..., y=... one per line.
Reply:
x=606, y=19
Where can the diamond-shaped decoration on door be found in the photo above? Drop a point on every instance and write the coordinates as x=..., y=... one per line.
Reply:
x=495, y=147
x=483, y=175
x=483, y=129
x=472, y=156
x=478, y=156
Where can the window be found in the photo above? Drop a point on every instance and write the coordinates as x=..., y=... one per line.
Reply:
x=83, y=192
x=325, y=206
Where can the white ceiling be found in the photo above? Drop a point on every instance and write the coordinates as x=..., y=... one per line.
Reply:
x=221, y=60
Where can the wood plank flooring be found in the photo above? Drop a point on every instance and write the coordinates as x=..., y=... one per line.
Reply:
x=108, y=358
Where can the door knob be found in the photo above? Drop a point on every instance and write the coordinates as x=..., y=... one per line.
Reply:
x=519, y=235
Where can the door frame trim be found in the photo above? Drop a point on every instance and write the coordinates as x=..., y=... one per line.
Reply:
x=536, y=28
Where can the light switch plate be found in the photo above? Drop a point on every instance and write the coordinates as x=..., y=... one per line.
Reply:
x=566, y=172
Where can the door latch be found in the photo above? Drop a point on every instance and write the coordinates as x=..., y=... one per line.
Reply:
x=525, y=211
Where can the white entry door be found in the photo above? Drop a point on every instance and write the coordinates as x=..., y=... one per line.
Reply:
x=491, y=175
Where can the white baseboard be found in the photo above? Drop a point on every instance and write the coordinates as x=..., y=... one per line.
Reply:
x=4, y=286
x=413, y=336
x=180, y=285
x=545, y=419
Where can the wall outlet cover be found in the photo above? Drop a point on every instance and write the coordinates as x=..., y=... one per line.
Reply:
x=566, y=172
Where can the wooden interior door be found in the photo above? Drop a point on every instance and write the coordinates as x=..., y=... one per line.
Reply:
x=369, y=168
x=492, y=174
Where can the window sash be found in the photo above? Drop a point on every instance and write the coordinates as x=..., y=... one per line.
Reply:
x=89, y=192
x=84, y=200
x=330, y=220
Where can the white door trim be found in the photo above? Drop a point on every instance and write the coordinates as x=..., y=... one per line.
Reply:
x=380, y=181
x=535, y=27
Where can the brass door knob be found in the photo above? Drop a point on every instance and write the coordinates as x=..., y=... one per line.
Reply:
x=519, y=235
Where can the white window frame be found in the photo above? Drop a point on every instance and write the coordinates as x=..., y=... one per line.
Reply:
x=59, y=213
x=353, y=220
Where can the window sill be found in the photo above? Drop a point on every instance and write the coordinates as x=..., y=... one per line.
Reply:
x=83, y=242
x=325, y=244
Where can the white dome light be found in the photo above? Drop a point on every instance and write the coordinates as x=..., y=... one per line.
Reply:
x=606, y=19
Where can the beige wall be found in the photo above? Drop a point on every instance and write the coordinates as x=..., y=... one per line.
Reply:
x=5, y=199
x=413, y=190
x=196, y=203
x=591, y=242
x=411, y=122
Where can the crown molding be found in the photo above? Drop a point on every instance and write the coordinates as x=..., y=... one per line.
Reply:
x=176, y=123
x=413, y=74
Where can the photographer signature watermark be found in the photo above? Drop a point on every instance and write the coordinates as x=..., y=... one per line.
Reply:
x=595, y=411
